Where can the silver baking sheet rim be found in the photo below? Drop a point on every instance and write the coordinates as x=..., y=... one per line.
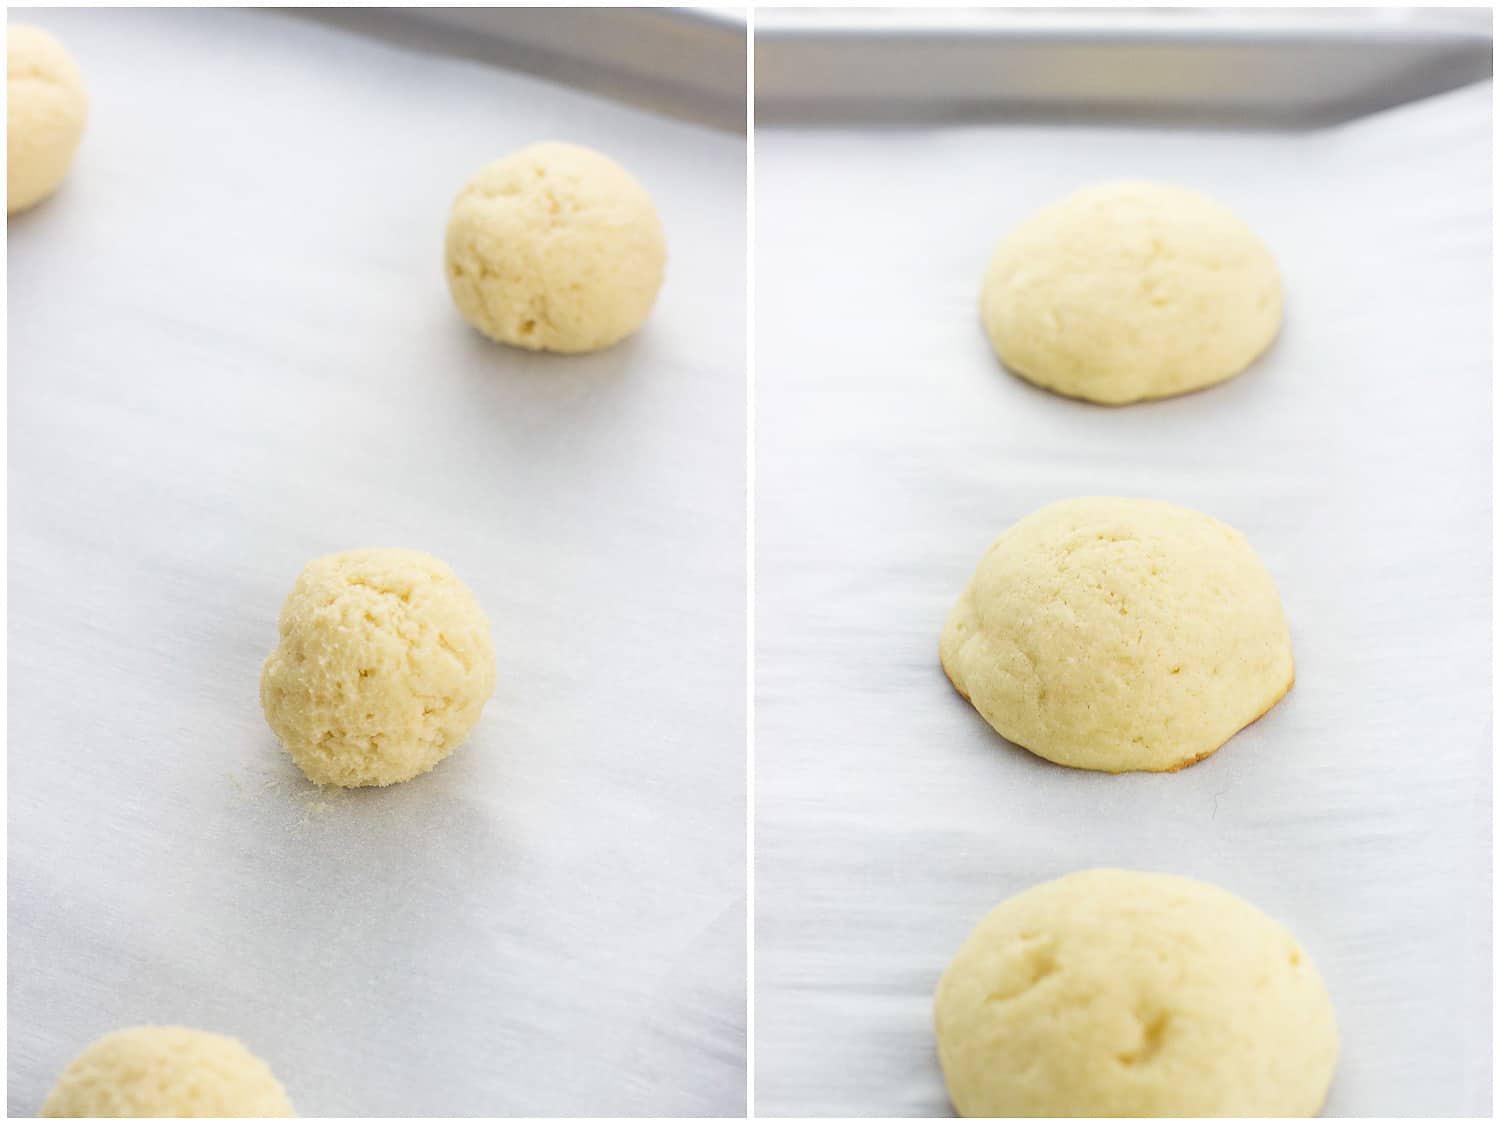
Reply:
x=688, y=63
x=1148, y=68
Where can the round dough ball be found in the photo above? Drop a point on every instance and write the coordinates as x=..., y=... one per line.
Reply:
x=384, y=665
x=555, y=248
x=1123, y=994
x=1130, y=290
x=47, y=111
x=167, y=1072
x=1119, y=634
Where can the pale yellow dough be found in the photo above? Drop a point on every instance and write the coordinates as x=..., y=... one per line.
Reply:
x=555, y=248
x=167, y=1072
x=47, y=110
x=1131, y=290
x=1113, y=993
x=1119, y=634
x=384, y=664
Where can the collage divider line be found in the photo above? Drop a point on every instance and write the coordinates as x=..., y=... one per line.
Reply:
x=750, y=562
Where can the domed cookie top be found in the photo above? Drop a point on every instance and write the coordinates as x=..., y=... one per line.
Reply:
x=1131, y=290
x=1123, y=994
x=167, y=1072
x=1119, y=634
x=555, y=248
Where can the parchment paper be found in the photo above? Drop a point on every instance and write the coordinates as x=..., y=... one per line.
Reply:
x=231, y=350
x=892, y=448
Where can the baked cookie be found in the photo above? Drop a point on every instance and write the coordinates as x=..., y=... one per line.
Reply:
x=1119, y=634
x=1131, y=290
x=1113, y=993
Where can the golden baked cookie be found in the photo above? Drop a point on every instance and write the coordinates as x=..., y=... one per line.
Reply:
x=1119, y=634
x=1113, y=993
x=1131, y=290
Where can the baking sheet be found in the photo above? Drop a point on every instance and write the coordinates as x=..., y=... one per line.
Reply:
x=892, y=448
x=231, y=350
x=684, y=62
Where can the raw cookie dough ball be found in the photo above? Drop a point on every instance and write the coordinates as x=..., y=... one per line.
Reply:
x=1131, y=290
x=384, y=665
x=1118, y=634
x=1123, y=994
x=167, y=1072
x=47, y=111
x=555, y=248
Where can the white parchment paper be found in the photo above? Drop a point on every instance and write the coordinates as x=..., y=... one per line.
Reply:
x=892, y=448
x=231, y=349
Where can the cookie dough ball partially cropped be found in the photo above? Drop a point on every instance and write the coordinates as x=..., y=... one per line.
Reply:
x=1131, y=290
x=384, y=664
x=1113, y=993
x=555, y=248
x=1119, y=634
x=46, y=113
x=167, y=1072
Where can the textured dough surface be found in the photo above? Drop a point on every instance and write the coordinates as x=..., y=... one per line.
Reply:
x=1119, y=634
x=167, y=1072
x=1112, y=993
x=555, y=248
x=48, y=108
x=384, y=664
x=1131, y=290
